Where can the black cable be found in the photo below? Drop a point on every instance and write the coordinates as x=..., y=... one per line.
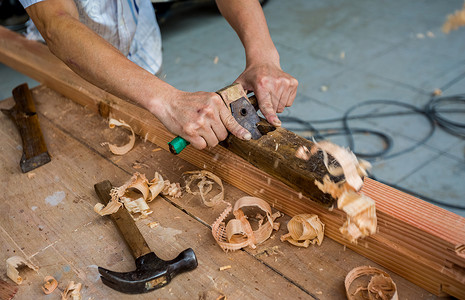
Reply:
x=386, y=102
x=434, y=112
x=433, y=109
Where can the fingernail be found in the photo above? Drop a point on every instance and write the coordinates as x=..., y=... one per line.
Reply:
x=276, y=121
x=247, y=136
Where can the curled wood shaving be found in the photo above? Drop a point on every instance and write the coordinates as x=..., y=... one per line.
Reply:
x=238, y=232
x=156, y=186
x=50, y=284
x=361, y=215
x=349, y=165
x=121, y=150
x=303, y=153
x=72, y=291
x=14, y=264
x=205, y=186
x=455, y=20
x=304, y=229
x=172, y=189
x=360, y=209
x=135, y=193
x=377, y=284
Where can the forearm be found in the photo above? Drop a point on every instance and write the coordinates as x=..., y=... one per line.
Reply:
x=247, y=19
x=97, y=61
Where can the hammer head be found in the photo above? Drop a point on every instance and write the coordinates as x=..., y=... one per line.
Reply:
x=151, y=273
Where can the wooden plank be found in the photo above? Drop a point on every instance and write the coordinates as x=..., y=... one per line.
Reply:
x=317, y=270
x=49, y=220
x=36, y=61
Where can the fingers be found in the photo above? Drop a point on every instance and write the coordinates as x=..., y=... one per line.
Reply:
x=265, y=104
x=232, y=126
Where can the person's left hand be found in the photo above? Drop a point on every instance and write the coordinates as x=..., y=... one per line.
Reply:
x=274, y=88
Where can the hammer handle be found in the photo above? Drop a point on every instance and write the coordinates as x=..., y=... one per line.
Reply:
x=124, y=222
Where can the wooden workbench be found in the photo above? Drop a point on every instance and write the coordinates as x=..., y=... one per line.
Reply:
x=48, y=218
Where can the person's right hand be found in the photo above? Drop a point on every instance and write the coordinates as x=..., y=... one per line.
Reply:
x=201, y=118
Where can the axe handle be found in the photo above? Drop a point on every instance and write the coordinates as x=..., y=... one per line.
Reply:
x=124, y=222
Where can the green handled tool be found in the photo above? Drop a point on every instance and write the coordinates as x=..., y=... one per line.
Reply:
x=241, y=108
x=178, y=144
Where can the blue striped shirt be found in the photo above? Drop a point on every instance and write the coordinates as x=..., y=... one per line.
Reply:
x=129, y=25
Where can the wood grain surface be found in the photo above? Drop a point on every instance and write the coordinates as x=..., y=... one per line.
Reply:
x=417, y=240
x=49, y=220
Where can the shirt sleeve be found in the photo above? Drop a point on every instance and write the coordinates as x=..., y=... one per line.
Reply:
x=27, y=3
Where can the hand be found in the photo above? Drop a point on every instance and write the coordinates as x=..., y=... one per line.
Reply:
x=201, y=118
x=274, y=88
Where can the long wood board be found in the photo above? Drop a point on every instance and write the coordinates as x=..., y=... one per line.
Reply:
x=417, y=240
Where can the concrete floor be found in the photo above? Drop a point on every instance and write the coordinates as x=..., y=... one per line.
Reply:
x=359, y=50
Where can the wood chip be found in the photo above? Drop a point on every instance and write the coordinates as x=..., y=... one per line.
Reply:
x=152, y=224
x=15, y=264
x=72, y=291
x=437, y=92
x=50, y=284
x=225, y=267
x=454, y=21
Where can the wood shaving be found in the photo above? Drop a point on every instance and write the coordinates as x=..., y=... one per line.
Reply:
x=361, y=215
x=304, y=229
x=238, y=233
x=72, y=291
x=121, y=150
x=136, y=193
x=172, y=189
x=50, y=284
x=437, y=92
x=157, y=184
x=303, y=153
x=16, y=263
x=454, y=21
x=152, y=224
x=360, y=209
x=225, y=267
x=205, y=186
x=346, y=159
x=370, y=283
